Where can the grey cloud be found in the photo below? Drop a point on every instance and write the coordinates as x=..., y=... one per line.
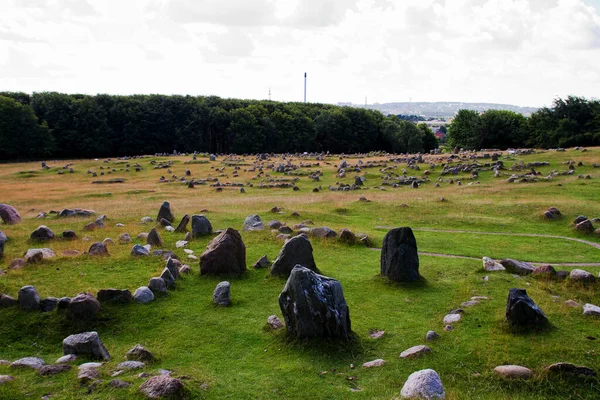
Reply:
x=320, y=13
x=79, y=8
x=223, y=12
x=230, y=47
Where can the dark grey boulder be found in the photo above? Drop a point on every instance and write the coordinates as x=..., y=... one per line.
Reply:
x=87, y=343
x=164, y=223
x=98, y=249
x=63, y=303
x=3, y=239
x=48, y=370
x=168, y=278
x=253, y=223
x=296, y=250
x=83, y=306
x=29, y=299
x=570, y=369
x=114, y=295
x=274, y=224
x=323, y=233
x=7, y=301
x=165, y=212
x=143, y=295
x=286, y=230
x=9, y=214
x=139, y=250
x=48, y=304
x=157, y=285
x=262, y=262
x=346, y=236
x=173, y=266
x=579, y=219
x=154, y=238
x=182, y=227
x=399, y=256
x=225, y=254
x=69, y=235
x=139, y=353
x=517, y=267
x=585, y=227
x=42, y=233
x=314, y=305
x=222, y=294
x=522, y=311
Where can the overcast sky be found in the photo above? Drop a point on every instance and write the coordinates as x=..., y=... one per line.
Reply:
x=523, y=52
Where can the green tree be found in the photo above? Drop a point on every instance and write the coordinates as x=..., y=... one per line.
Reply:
x=464, y=130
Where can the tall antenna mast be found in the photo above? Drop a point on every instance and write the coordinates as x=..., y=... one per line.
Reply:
x=269, y=94
x=305, y=87
x=365, y=101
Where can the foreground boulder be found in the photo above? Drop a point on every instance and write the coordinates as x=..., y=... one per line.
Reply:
x=84, y=306
x=87, y=343
x=28, y=298
x=296, y=250
x=143, y=295
x=399, y=256
x=201, y=226
x=314, y=305
x=139, y=250
x=582, y=276
x=165, y=212
x=424, y=384
x=225, y=254
x=162, y=386
x=590, y=309
x=522, y=311
x=222, y=294
x=585, y=227
x=517, y=267
x=42, y=233
x=9, y=214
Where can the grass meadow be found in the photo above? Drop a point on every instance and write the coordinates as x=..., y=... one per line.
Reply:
x=230, y=353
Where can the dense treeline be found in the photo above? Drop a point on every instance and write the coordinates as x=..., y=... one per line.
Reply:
x=574, y=121
x=60, y=125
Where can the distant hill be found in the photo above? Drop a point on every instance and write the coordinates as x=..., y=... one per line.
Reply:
x=442, y=109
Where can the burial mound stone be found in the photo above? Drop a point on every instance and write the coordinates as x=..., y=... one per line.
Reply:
x=424, y=384
x=182, y=227
x=154, y=238
x=114, y=295
x=225, y=254
x=9, y=214
x=3, y=240
x=517, y=267
x=296, y=250
x=42, y=233
x=399, y=256
x=98, y=249
x=28, y=298
x=162, y=386
x=84, y=306
x=165, y=212
x=253, y=223
x=314, y=305
x=522, y=311
x=201, y=226
x=222, y=294
x=143, y=295
x=87, y=343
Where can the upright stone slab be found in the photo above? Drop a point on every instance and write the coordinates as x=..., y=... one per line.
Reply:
x=314, y=305
x=87, y=343
x=296, y=250
x=173, y=266
x=225, y=254
x=399, y=256
x=522, y=311
x=165, y=212
x=182, y=227
x=222, y=294
x=201, y=226
x=154, y=238
x=9, y=214
x=28, y=298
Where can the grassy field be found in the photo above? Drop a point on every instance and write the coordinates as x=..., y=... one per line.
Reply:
x=229, y=352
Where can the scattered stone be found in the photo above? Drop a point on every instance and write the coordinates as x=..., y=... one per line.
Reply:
x=222, y=294
x=451, y=318
x=296, y=251
x=17, y=263
x=98, y=249
x=323, y=233
x=154, y=238
x=54, y=369
x=581, y=276
x=253, y=223
x=32, y=254
x=69, y=235
x=274, y=322
x=399, y=256
x=88, y=365
x=84, y=306
x=590, y=309
x=126, y=365
x=87, y=343
x=48, y=304
x=139, y=250
x=346, y=236
x=562, y=275
x=431, y=336
x=375, y=363
x=448, y=328
x=521, y=309
x=585, y=227
x=572, y=303
x=571, y=369
x=143, y=236
x=262, y=262
x=168, y=277
x=165, y=212
x=274, y=224
x=6, y=301
x=491, y=265
x=162, y=386
x=6, y=378
x=9, y=214
x=415, y=351
x=181, y=244
x=173, y=266
x=28, y=298
x=66, y=359
x=125, y=238
x=185, y=269
x=114, y=295
x=164, y=223
x=139, y=353
x=88, y=375
x=314, y=305
x=119, y=384
x=470, y=303
x=182, y=227
x=283, y=236
x=157, y=285
x=544, y=270
x=225, y=254
x=376, y=334
x=517, y=267
x=143, y=295
x=423, y=384
x=147, y=220
x=513, y=372
x=28, y=362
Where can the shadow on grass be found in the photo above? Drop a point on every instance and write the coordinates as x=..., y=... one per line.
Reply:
x=324, y=348
x=420, y=284
x=526, y=330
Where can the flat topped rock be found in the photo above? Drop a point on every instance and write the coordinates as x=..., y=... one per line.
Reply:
x=582, y=276
x=131, y=365
x=139, y=353
x=452, y=318
x=517, y=267
x=375, y=363
x=590, y=309
x=568, y=368
x=46, y=253
x=87, y=343
x=28, y=362
x=415, y=351
x=424, y=384
x=513, y=371
x=491, y=265
x=162, y=386
x=54, y=369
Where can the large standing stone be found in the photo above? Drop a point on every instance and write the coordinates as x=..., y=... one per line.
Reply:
x=168, y=277
x=42, y=233
x=162, y=386
x=201, y=226
x=87, y=343
x=225, y=254
x=9, y=214
x=296, y=250
x=222, y=294
x=521, y=309
x=154, y=238
x=165, y=212
x=182, y=227
x=3, y=240
x=29, y=299
x=98, y=249
x=424, y=384
x=253, y=223
x=314, y=305
x=399, y=256
x=114, y=295
x=517, y=267
x=84, y=306
x=173, y=266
